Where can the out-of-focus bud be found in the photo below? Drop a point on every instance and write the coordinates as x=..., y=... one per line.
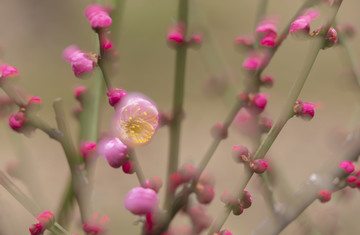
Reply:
x=237, y=210
x=154, y=183
x=241, y=153
x=128, y=167
x=195, y=41
x=115, y=95
x=267, y=80
x=204, y=193
x=219, y=132
x=347, y=166
x=141, y=201
x=246, y=199
x=259, y=166
x=187, y=172
x=176, y=35
x=96, y=225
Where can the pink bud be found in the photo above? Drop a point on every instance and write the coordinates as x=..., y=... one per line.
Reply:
x=195, y=41
x=187, y=172
x=79, y=92
x=204, y=193
x=115, y=95
x=128, y=167
x=351, y=180
x=302, y=23
x=115, y=152
x=237, y=210
x=87, y=149
x=34, y=100
x=265, y=124
x=207, y=178
x=17, y=120
x=225, y=232
x=255, y=60
x=259, y=166
x=175, y=181
x=241, y=153
x=81, y=62
x=267, y=81
x=331, y=38
x=324, y=195
x=98, y=16
x=141, y=201
x=304, y=110
x=347, y=166
x=245, y=41
x=154, y=183
x=176, y=35
x=200, y=219
x=246, y=199
x=227, y=198
x=96, y=225
x=267, y=26
x=46, y=221
x=219, y=132
x=7, y=71
x=258, y=102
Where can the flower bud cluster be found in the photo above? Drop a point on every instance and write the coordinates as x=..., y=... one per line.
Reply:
x=241, y=154
x=237, y=204
x=46, y=221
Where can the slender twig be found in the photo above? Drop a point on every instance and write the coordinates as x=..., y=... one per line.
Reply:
x=138, y=170
x=178, y=99
x=26, y=201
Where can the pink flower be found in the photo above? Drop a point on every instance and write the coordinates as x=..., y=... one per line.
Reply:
x=96, y=225
x=136, y=121
x=46, y=220
x=347, y=166
x=98, y=16
x=81, y=62
x=141, y=201
x=7, y=71
x=302, y=23
x=114, y=151
x=115, y=95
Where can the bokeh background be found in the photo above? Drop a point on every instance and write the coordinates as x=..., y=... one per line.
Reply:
x=34, y=34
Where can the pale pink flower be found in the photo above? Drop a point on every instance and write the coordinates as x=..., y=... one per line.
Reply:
x=347, y=166
x=98, y=16
x=7, y=71
x=136, y=121
x=141, y=201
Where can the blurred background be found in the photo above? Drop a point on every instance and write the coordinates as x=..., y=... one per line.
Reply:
x=34, y=34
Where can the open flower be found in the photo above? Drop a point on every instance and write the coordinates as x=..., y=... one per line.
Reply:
x=136, y=121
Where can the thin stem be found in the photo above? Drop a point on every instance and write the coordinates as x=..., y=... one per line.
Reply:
x=353, y=60
x=26, y=201
x=269, y=194
x=138, y=170
x=178, y=99
x=79, y=182
x=221, y=218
